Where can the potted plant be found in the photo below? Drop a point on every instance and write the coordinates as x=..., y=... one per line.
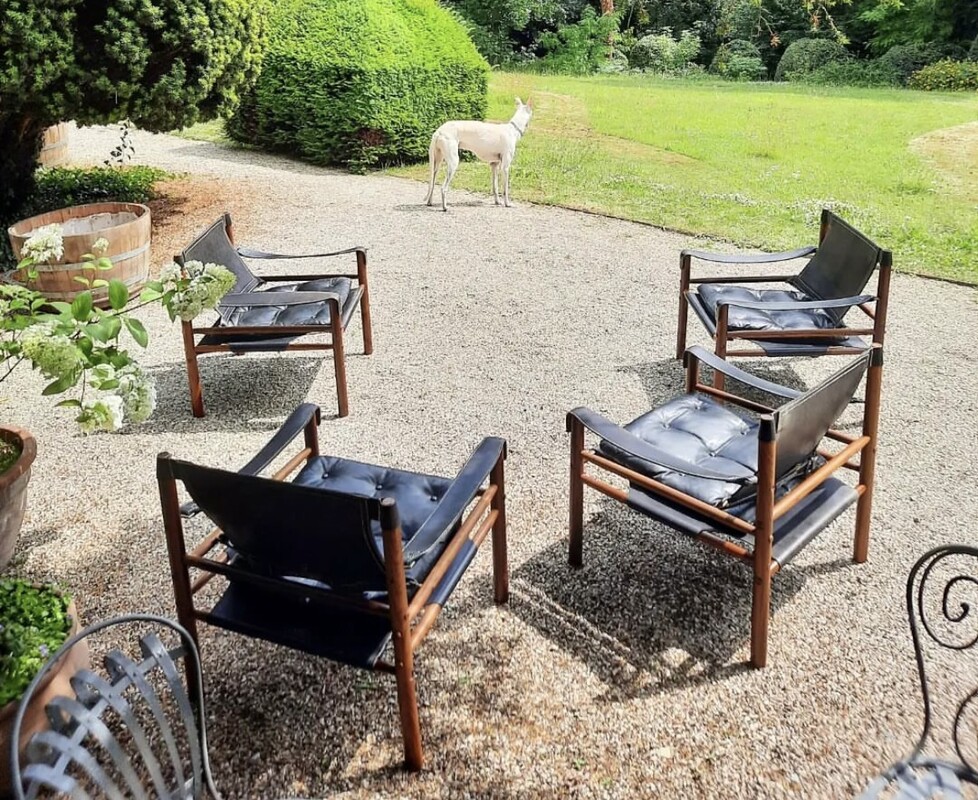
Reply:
x=79, y=348
x=34, y=622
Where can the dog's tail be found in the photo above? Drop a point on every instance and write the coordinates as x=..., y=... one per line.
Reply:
x=434, y=162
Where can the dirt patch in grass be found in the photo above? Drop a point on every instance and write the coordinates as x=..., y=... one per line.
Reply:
x=953, y=152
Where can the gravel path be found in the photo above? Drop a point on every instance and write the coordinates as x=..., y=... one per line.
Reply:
x=624, y=679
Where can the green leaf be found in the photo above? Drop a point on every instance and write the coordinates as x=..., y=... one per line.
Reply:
x=81, y=307
x=98, y=283
x=97, y=332
x=113, y=326
x=83, y=281
x=72, y=403
x=118, y=294
x=62, y=384
x=25, y=262
x=137, y=330
x=150, y=293
x=60, y=307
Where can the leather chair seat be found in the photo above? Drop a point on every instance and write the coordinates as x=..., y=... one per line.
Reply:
x=417, y=496
x=756, y=319
x=704, y=433
x=303, y=314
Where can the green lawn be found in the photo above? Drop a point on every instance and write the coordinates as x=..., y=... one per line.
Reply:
x=752, y=163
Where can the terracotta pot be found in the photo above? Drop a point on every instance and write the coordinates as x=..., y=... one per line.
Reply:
x=57, y=682
x=13, y=489
x=125, y=226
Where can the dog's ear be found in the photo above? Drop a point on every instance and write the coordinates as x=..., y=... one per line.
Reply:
x=529, y=104
x=519, y=102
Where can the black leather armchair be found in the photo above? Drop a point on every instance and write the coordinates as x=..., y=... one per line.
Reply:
x=806, y=318
x=342, y=561
x=267, y=314
x=758, y=488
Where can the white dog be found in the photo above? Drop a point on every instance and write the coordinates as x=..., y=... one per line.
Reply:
x=493, y=142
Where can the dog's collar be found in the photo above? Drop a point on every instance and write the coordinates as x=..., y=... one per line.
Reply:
x=520, y=132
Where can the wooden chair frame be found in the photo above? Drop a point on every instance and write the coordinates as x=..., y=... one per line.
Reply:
x=768, y=509
x=411, y=617
x=336, y=343
x=874, y=308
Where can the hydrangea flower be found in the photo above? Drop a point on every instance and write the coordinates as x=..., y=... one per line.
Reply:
x=100, y=246
x=52, y=353
x=196, y=288
x=137, y=392
x=44, y=244
x=104, y=414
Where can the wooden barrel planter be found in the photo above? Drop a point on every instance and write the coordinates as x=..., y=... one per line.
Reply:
x=57, y=682
x=126, y=227
x=54, y=151
x=13, y=489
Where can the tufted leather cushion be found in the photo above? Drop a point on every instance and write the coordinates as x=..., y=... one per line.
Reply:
x=303, y=314
x=755, y=319
x=417, y=496
x=704, y=433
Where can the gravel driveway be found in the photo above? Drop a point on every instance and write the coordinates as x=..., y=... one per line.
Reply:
x=627, y=678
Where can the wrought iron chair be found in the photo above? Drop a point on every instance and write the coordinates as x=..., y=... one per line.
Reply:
x=135, y=731
x=257, y=317
x=342, y=560
x=941, y=616
x=803, y=320
x=730, y=480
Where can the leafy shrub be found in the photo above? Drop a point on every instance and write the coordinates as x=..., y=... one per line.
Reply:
x=660, y=52
x=361, y=82
x=906, y=59
x=727, y=50
x=947, y=76
x=581, y=48
x=853, y=72
x=34, y=622
x=807, y=55
x=745, y=68
x=502, y=29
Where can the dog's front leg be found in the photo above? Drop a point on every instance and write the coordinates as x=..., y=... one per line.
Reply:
x=494, y=166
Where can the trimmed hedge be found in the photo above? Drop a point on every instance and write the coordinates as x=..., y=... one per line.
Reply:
x=906, y=59
x=947, y=76
x=361, y=82
x=853, y=72
x=807, y=55
x=739, y=60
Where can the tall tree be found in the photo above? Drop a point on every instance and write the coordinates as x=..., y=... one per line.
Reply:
x=162, y=63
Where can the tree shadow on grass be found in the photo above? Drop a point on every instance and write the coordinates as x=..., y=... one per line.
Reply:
x=651, y=610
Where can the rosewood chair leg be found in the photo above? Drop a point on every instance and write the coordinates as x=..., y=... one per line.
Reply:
x=193, y=372
x=867, y=458
x=407, y=698
x=723, y=310
x=368, y=334
x=760, y=614
x=684, y=268
x=500, y=561
x=576, y=550
x=339, y=359
x=760, y=618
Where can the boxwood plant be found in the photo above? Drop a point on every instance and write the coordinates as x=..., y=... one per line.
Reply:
x=34, y=622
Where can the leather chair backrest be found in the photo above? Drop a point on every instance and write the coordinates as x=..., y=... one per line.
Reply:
x=214, y=247
x=842, y=265
x=283, y=529
x=801, y=423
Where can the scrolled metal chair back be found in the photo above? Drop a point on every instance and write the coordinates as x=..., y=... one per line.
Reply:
x=137, y=731
x=942, y=606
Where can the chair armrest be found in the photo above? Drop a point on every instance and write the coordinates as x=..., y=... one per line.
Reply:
x=712, y=360
x=750, y=258
x=463, y=490
x=276, y=298
x=631, y=444
x=792, y=305
x=294, y=425
x=247, y=252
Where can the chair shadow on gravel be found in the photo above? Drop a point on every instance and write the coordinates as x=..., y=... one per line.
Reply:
x=256, y=392
x=651, y=610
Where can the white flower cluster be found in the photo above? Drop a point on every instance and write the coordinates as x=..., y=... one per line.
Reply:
x=197, y=287
x=54, y=354
x=132, y=399
x=44, y=244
